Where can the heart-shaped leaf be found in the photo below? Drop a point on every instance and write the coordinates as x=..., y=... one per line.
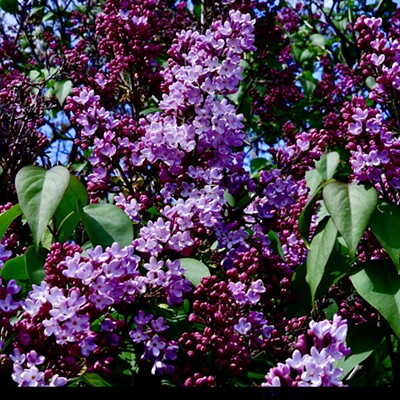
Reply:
x=350, y=206
x=327, y=164
x=66, y=217
x=379, y=284
x=62, y=90
x=385, y=224
x=39, y=194
x=319, y=253
x=106, y=224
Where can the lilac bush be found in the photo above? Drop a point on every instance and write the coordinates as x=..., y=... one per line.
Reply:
x=227, y=207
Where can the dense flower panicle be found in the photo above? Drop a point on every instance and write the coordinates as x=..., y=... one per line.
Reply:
x=373, y=147
x=94, y=285
x=314, y=366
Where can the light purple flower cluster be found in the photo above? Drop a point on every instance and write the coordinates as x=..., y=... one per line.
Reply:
x=148, y=331
x=314, y=366
x=8, y=308
x=27, y=374
x=201, y=68
x=380, y=59
x=373, y=147
x=96, y=285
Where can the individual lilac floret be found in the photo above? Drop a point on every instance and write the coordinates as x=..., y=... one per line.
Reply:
x=314, y=366
x=4, y=255
x=7, y=303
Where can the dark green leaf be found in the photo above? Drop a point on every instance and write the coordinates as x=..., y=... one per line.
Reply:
x=106, y=224
x=363, y=340
x=10, y=6
x=94, y=380
x=337, y=267
x=39, y=193
x=14, y=269
x=385, y=223
x=379, y=284
x=350, y=206
x=319, y=253
x=303, y=304
x=276, y=244
x=258, y=164
x=7, y=217
x=306, y=217
x=35, y=259
x=66, y=217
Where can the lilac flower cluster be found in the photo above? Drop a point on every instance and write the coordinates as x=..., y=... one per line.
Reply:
x=27, y=373
x=314, y=366
x=94, y=286
x=373, y=147
x=9, y=306
x=372, y=141
x=279, y=192
x=149, y=332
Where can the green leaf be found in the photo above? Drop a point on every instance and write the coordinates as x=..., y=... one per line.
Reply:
x=62, y=89
x=318, y=40
x=7, y=217
x=350, y=206
x=303, y=304
x=379, y=284
x=306, y=55
x=195, y=269
x=337, y=267
x=66, y=217
x=363, y=340
x=246, y=107
x=385, y=223
x=308, y=82
x=229, y=198
x=10, y=6
x=14, y=269
x=35, y=260
x=306, y=217
x=106, y=224
x=313, y=180
x=39, y=193
x=258, y=164
x=276, y=243
x=327, y=164
x=94, y=380
x=320, y=250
